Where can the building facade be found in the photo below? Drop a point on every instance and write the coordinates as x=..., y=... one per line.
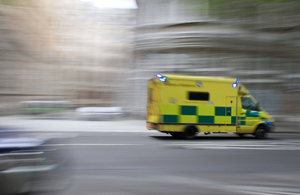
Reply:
x=172, y=37
x=63, y=50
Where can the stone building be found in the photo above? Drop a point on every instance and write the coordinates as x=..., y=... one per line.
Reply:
x=63, y=50
x=71, y=50
x=172, y=37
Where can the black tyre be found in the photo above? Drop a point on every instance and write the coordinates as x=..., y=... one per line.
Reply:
x=260, y=132
x=190, y=132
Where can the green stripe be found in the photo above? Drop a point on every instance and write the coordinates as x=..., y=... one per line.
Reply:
x=219, y=111
x=233, y=120
x=206, y=119
x=250, y=113
x=170, y=118
x=228, y=109
x=242, y=120
x=188, y=110
x=202, y=124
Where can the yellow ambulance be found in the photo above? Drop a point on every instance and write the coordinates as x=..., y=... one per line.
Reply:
x=184, y=106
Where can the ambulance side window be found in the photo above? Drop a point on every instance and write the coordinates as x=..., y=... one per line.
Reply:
x=248, y=104
x=198, y=96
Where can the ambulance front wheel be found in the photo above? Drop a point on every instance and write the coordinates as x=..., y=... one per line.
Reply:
x=190, y=132
x=260, y=132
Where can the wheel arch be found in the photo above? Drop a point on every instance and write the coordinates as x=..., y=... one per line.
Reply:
x=261, y=124
x=191, y=126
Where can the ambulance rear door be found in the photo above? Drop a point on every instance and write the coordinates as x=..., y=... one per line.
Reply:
x=152, y=102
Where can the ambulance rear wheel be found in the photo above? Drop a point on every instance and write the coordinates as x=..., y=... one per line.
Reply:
x=190, y=132
x=260, y=132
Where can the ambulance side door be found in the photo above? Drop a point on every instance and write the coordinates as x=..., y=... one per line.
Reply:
x=230, y=113
x=248, y=116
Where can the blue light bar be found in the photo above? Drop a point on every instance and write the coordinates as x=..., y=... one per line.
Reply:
x=234, y=85
x=159, y=75
x=163, y=79
x=237, y=80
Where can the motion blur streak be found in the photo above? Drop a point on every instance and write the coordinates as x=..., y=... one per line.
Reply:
x=63, y=50
x=28, y=164
x=94, y=53
x=83, y=65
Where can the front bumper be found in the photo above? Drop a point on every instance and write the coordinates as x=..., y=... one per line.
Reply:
x=270, y=126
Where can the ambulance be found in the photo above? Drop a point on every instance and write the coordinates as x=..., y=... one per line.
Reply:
x=184, y=106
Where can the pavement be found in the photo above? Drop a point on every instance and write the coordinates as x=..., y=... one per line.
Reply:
x=59, y=125
x=124, y=125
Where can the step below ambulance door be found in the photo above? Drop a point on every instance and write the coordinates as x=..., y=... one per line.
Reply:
x=230, y=114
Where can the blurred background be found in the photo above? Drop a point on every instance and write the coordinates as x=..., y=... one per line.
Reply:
x=92, y=59
x=63, y=55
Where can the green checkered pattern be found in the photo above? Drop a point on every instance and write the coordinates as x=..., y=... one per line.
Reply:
x=202, y=114
x=197, y=114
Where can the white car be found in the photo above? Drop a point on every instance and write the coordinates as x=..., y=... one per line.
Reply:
x=30, y=164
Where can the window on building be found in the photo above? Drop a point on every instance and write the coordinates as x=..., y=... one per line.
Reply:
x=199, y=96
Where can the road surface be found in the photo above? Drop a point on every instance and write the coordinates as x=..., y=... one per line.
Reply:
x=123, y=158
x=154, y=163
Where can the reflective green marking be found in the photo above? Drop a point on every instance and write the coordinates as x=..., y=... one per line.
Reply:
x=228, y=109
x=206, y=119
x=219, y=111
x=170, y=118
x=188, y=110
x=250, y=113
x=233, y=120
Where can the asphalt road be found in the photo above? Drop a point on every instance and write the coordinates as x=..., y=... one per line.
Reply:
x=138, y=163
x=124, y=158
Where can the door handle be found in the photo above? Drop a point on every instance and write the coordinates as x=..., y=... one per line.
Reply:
x=228, y=112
